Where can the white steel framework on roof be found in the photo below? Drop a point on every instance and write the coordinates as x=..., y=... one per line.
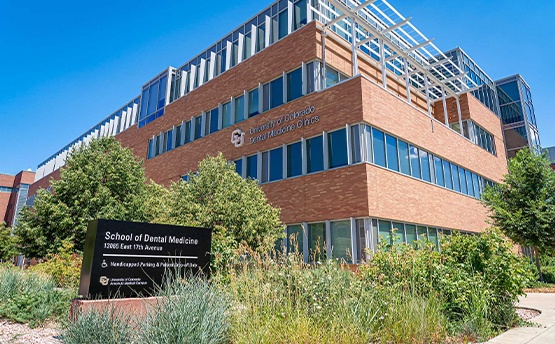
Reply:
x=376, y=29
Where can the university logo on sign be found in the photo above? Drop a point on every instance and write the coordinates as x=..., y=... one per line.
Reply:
x=238, y=138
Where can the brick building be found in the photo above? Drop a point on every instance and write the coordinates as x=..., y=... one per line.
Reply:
x=13, y=194
x=351, y=138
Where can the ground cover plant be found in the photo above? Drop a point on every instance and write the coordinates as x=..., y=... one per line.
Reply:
x=32, y=297
x=405, y=294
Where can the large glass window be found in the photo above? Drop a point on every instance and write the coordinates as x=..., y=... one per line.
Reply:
x=341, y=240
x=462, y=176
x=422, y=233
x=169, y=140
x=439, y=171
x=239, y=166
x=299, y=15
x=384, y=231
x=261, y=37
x=456, y=179
x=295, y=239
x=337, y=148
x=151, y=148
x=177, y=138
x=317, y=241
x=253, y=103
x=226, y=115
x=477, y=191
x=378, y=143
x=411, y=234
x=240, y=109
x=447, y=173
x=247, y=46
x=294, y=84
x=294, y=160
x=283, y=24
x=188, y=132
x=392, y=161
x=198, y=127
x=399, y=232
x=469, y=183
x=252, y=167
x=265, y=167
x=414, y=162
x=356, y=150
x=275, y=94
x=315, y=154
x=361, y=235
x=404, y=157
x=432, y=236
x=425, y=165
x=213, y=120
x=153, y=98
x=276, y=164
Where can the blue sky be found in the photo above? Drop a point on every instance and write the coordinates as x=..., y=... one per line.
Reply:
x=65, y=65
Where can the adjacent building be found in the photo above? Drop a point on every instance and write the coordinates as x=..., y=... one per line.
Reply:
x=13, y=195
x=354, y=123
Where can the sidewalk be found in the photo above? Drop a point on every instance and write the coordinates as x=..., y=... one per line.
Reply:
x=544, y=334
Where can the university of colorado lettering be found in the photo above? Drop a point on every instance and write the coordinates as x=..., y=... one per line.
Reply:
x=130, y=259
x=284, y=124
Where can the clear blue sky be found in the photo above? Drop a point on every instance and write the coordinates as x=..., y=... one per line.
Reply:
x=65, y=65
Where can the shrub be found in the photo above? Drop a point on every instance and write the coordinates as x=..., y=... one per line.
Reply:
x=189, y=311
x=64, y=267
x=103, y=325
x=31, y=297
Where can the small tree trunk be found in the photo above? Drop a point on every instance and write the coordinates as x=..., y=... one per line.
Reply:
x=538, y=264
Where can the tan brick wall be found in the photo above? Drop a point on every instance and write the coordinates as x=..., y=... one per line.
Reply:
x=398, y=197
x=388, y=113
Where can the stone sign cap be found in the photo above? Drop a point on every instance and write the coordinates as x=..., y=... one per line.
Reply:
x=128, y=259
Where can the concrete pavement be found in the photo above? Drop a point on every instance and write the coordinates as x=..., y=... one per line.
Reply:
x=544, y=333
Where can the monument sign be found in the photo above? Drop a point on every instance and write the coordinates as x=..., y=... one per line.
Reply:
x=131, y=258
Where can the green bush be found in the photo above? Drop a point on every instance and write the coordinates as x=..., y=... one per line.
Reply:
x=64, y=267
x=549, y=274
x=31, y=297
x=478, y=278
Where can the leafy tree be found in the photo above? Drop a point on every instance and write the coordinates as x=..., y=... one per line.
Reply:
x=236, y=208
x=523, y=206
x=102, y=180
x=8, y=246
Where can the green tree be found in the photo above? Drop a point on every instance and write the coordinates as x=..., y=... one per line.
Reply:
x=101, y=180
x=237, y=209
x=8, y=243
x=523, y=206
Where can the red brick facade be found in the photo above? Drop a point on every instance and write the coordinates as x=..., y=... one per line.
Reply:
x=8, y=200
x=358, y=190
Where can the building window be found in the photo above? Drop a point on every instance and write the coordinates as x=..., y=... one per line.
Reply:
x=384, y=231
x=252, y=167
x=341, y=240
x=239, y=166
x=410, y=232
x=261, y=37
x=404, y=158
x=299, y=15
x=226, y=115
x=294, y=160
x=462, y=176
x=168, y=137
x=361, y=235
x=337, y=148
x=212, y=121
x=253, y=103
x=276, y=164
x=294, y=84
x=240, y=109
x=177, y=138
x=469, y=183
x=378, y=144
x=273, y=94
x=425, y=164
x=456, y=179
x=151, y=148
x=356, y=151
x=399, y=229
x=295, y=239
x=414, y=162
x=317, y=241
x=198, y=127
x=315, y=154
x=392, y=160
x=447, y=173
x=283, y=24
x=439, y=171
x=188, y=133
